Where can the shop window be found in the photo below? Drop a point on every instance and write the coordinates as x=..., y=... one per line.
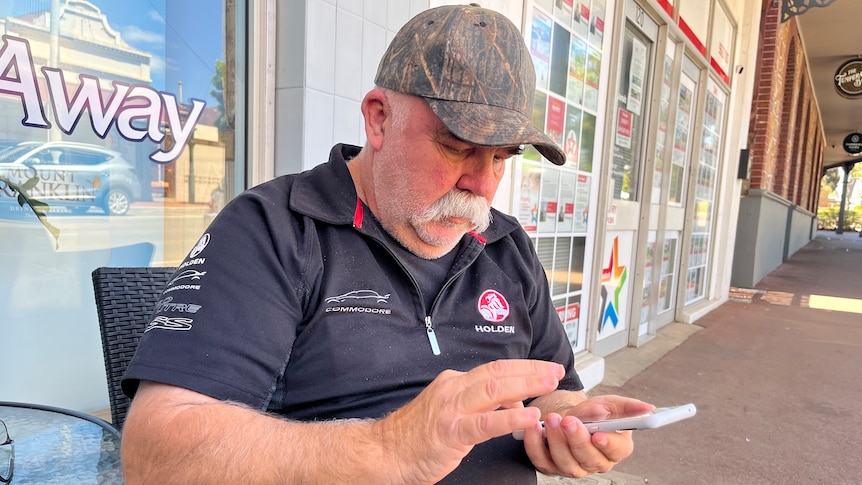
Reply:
x=117, y=137
x=705, y=193
x=553, y=203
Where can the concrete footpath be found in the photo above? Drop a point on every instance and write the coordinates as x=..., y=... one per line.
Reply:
x=775, y=372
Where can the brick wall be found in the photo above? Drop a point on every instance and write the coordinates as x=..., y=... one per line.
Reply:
x=785, y=135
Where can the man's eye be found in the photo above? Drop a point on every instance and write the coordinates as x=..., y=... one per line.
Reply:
x=505, y=155
x=456, y=150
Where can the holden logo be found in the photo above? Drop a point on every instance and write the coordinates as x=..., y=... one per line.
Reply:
x=493, y=306
x=202, y=243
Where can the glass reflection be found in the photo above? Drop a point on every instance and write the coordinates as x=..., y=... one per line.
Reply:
x=116, y=149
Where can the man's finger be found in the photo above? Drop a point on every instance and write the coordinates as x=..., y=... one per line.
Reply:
x=493, y=393
x=480, y=427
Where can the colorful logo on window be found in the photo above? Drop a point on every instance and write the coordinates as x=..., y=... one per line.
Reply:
x=613, y=276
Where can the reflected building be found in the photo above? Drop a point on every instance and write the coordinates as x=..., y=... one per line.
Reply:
x=76, y=39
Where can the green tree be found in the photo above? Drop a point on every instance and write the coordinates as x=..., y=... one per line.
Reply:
x=217, y=92
x=831, y=179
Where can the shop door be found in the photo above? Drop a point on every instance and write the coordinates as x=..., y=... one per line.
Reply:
x=673, y=153
x=628, y=141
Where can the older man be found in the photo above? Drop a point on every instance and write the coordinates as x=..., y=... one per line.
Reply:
x=373, y=320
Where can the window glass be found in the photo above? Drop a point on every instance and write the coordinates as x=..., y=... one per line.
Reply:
x=705, y=193
x=553, y=203
x=663, y=117
x=118, y=149
x=681, y=138
x=630, y=116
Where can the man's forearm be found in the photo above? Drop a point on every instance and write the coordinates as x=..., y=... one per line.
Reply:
x=175, y=435
x=231, y=444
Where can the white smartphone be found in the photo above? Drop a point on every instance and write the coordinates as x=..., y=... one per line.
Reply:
x=654, y=419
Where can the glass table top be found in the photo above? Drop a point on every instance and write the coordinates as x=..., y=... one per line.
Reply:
x=55, y=446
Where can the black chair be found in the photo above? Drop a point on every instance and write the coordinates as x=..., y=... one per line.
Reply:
x=125, y=300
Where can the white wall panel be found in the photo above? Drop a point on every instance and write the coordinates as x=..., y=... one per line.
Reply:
x=289, y=131
x=290, y=45
x=328, y=52
x=347, y=63
x=373, y=45
x=417, y=6
x=356, y=7
x=397, y=15
x=347, y=124
x=320, y=46
x=376, y=11
x=317, y=141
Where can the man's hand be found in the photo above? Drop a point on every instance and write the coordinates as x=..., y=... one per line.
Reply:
x=461, y=409
x=570, y=450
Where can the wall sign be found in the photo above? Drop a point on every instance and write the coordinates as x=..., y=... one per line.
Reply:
x=159, y=112
x=848, y=79
x=853, y=143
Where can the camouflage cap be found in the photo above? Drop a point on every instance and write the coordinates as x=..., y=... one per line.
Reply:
x=473, y=68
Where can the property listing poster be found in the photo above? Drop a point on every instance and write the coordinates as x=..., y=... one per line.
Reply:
x=582, y=203
x=563, y=10
x=637, y=71
x=597, y=23
x=661, y=133
x=577, y=70
x=548, y=5
x=570, y=315
x=581, y=20
x=540, y=105
x=549, y=199
x=591, y=80
x=555, y=120
x=540, y=47
x=528, y=202
x=568, y=190
x=683, y=121
x=624, y=129
x=571, y=143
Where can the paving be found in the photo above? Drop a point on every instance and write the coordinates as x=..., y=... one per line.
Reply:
x=775, y=372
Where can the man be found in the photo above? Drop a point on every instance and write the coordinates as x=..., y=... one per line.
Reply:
x=373, y=320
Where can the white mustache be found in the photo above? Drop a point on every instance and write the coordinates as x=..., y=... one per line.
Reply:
x=459, y=204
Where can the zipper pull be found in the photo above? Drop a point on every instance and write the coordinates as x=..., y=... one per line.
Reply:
x=432, y=337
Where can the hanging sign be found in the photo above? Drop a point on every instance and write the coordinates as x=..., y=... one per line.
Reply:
x=853, y=143
x=848, y=79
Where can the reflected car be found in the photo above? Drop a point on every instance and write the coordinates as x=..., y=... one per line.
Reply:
x=72, y=176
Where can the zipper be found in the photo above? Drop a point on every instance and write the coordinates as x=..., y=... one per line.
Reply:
x=429, y=327
x=432, y=337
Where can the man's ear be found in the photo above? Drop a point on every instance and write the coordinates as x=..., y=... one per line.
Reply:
x=375, y=109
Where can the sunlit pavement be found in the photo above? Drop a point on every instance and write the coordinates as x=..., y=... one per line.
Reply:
x=775, y=376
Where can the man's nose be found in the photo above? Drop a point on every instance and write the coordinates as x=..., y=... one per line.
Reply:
x=481, y=174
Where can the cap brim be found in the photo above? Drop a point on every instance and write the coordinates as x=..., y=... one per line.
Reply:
x=487, y=125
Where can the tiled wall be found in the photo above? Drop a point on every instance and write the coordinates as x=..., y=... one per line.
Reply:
x=327, y=55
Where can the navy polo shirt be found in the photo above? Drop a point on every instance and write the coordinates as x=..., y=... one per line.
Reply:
x=295, y=301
